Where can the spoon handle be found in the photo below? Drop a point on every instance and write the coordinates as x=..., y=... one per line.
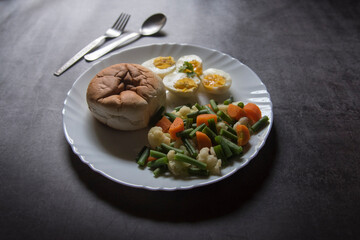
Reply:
x=104, y=50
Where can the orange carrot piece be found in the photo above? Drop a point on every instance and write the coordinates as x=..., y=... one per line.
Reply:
x=252, y=112
x=235, y=112
x=209, y=105
x=176, y=126
x=203, y=118
x=164, y=123
x=243, y=135
x=203, y=140
x=150, y=159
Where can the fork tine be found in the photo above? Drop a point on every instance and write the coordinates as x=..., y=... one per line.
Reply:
x=123, y=23
x=118, y=20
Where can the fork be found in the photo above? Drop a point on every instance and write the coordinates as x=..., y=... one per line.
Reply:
x=113, y=32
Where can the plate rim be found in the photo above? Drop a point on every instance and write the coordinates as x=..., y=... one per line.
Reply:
x=128, y=184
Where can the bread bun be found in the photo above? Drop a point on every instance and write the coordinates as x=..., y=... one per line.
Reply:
x=124, y=96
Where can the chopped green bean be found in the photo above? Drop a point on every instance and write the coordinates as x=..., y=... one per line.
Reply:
x=189, y=123
x=158, y=171
x=195, y=114
x=158, y=162
x=231, y=129
x=193, y=171
x=157, y=154
x=184, y=133
x=228, y=135
x=190, y=160
x=236, y=149
x=225, y=147
x=142, y=156
x=198, y=128
x=259, y=124
x=214, y=105
x=166, y=148
x=225, y=117
x=212, y=125
x=219, y=152
x=210, y=134
x=209, y=110
x=229, y=100
x=241, y=104
x=189, y=147
x=171, y=116
x=198, y=106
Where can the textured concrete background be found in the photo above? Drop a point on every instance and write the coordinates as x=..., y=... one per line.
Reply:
x=304, y=184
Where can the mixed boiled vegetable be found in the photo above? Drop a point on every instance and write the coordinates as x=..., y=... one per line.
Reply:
x=199, y=139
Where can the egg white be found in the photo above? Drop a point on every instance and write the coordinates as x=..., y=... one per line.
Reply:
x=160, y=72
x=189, y=58
x=170, y=80
x=218, y=89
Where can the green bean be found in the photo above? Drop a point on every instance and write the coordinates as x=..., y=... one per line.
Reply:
x=259, y=124
x=157, y=116
x=189, y=123
x=198, y=128
x=225, y=117
x=241, y=104
x=198, y=106
x=157, y=172
x=190, y=160
x=226, y=149
x=184, y=133
x=195, y=114
x=198, y=172
x=228, y=135
x=171, y=116
x=209, y=110
x=231, y=129
x=236, y=149
x=212, y=125
x=189, y=147
x=229, y=100
x=158, y=162
x=157, y=154
x=214, y=105
x=142, y=156
x=193, y=125
x=209, y=133
x=166, y=148
x=219, y=152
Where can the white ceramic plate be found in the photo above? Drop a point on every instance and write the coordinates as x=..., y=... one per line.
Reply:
x=112, y=153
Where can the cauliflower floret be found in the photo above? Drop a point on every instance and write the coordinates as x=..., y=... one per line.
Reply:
x=223, y=107
x=242, y=121
x=221, y=125
x=213, y=164
x=183, y=111
x=176, y=167
x=156, y=137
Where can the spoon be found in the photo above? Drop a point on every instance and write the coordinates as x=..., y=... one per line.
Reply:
x=151, y=26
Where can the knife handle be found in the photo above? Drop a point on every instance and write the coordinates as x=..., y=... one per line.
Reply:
x=102, y=51
x=80, y=54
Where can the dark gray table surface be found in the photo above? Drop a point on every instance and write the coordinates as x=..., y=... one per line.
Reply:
x=305, y=182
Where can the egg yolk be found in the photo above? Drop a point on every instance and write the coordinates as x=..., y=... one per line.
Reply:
x=164, y=62
x=197, y=67
x=213, y=80
x=185, y=84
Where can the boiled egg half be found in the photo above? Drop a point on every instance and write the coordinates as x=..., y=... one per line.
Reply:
x=216, y=81
x=162, y=66
x=181, y=84
x=194, y=60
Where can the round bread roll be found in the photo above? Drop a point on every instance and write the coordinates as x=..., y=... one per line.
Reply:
x=124, y=96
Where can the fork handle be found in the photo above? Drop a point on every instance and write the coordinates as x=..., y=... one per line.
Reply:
x=102, y=51
x=80, y=54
